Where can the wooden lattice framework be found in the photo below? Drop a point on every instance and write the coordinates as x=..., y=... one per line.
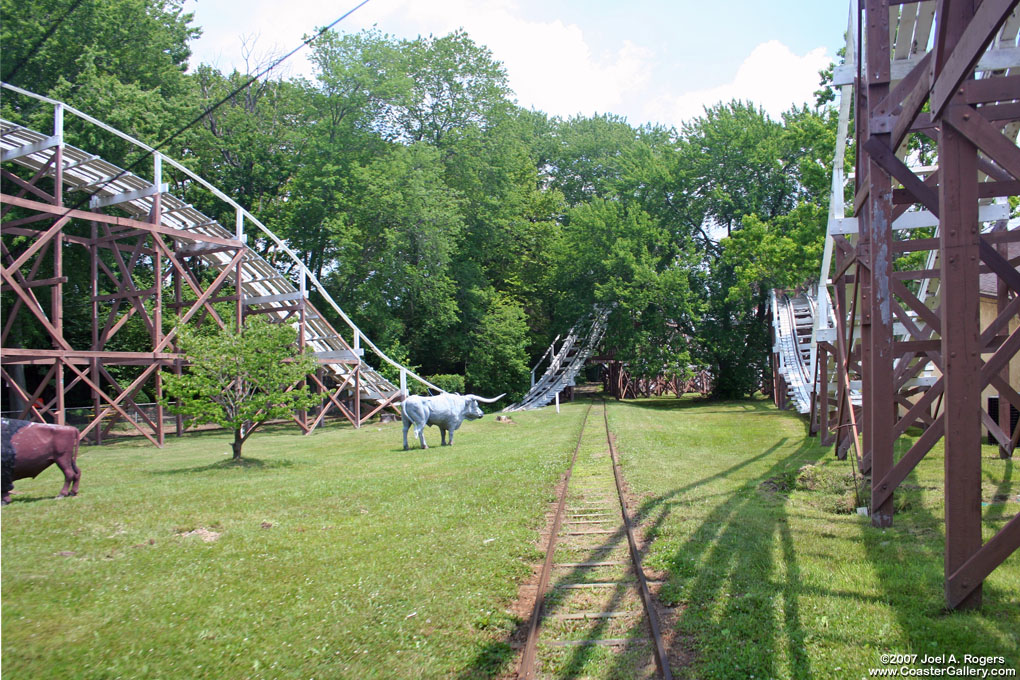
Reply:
x=618, y=382
x=908, y=348
x=172, y=245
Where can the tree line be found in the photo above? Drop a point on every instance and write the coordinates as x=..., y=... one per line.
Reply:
x=458, y=229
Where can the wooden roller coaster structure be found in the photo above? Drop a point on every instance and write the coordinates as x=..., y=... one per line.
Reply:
x=895, y=334
x=148, y=251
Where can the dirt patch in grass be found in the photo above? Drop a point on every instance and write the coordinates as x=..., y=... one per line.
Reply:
x=680, y=647
x=777, y=484
x=830, y=489
x=205, y=534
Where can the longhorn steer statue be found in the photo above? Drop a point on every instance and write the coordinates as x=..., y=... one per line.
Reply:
x=28, y=448
x=446, y=411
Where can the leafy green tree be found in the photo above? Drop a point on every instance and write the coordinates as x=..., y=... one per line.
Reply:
x=735, y=153
x=455, y=85
x=510, y=218
x=766, y=183
x=498, y=361
x=251, y=145
x=394, y=258
x=141, y=41
x=238, y=379
x=357, y=76
x=122, y=61
x=589, y=159
x=448, y=382
x=783, y=253
x=614, y=254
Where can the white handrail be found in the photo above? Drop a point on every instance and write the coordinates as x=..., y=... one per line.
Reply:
x=302, y=269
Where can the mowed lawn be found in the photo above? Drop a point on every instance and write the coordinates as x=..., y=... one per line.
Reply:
x=336, y=555
x=771, y=575
x=341, y=556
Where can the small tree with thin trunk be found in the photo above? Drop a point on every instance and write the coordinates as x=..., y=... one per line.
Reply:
x=239, y=379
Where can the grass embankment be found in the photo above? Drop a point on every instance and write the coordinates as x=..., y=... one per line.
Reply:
x=771, y=574
x=337, y=555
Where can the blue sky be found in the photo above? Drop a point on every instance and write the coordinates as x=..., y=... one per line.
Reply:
x=649, y=60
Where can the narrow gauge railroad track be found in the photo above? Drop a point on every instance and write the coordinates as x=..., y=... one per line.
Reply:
x=593, y=612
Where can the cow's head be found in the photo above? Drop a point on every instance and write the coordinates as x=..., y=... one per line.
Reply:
x=471, y=409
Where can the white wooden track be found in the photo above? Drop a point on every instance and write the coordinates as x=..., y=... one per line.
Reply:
x=566, y=362
x=263, y=286
x=911, y=29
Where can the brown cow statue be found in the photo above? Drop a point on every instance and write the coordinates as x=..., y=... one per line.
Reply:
x=28, y=448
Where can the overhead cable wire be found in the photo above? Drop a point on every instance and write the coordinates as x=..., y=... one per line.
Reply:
x=254, y=78
x=88, y=197
x=41, y=41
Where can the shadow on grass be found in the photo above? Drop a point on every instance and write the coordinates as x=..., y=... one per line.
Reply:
x=229, y=464
x=731, y=557
x=702, y=404
x=131, y=437
x=908, y=563
x=738, y=543
x=1003, y=493
x=20, y=499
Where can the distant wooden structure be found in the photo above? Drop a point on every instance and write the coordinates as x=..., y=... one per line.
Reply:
x=152, y=257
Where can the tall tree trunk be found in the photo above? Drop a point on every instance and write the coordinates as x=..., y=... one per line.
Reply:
x=238, y=441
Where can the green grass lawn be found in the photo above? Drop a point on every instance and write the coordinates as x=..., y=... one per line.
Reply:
x=771, y=575
x=341, y=556
x=333, y=555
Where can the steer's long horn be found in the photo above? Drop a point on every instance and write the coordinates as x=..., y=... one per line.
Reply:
x=484, y=400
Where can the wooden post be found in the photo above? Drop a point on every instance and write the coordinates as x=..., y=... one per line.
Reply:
x=961, y=346
x=876, y=286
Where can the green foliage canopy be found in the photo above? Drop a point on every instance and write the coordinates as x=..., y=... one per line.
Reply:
x=239, y=379
x=454, y=227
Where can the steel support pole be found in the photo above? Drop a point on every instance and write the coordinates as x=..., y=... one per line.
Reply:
x=157, y=306
x=239, y=309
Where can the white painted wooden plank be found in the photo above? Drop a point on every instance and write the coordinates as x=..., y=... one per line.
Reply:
x=1007, y=37
x=127, y=196
x=279, y=297
x=31, y=148
x=905, y=34
x=917, y=219
x=992, y=60
x=922, y=30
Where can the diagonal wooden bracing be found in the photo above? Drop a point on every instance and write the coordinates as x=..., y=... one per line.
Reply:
x=153, y=257
x=922, y=279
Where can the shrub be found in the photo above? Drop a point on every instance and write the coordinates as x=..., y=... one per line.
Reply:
x=449, y=382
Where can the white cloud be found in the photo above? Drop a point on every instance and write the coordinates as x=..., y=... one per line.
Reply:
x=550, y=64
x=772, y=77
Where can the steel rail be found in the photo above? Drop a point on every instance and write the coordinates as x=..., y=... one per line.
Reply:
x=661, y=659
x=527, y=669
